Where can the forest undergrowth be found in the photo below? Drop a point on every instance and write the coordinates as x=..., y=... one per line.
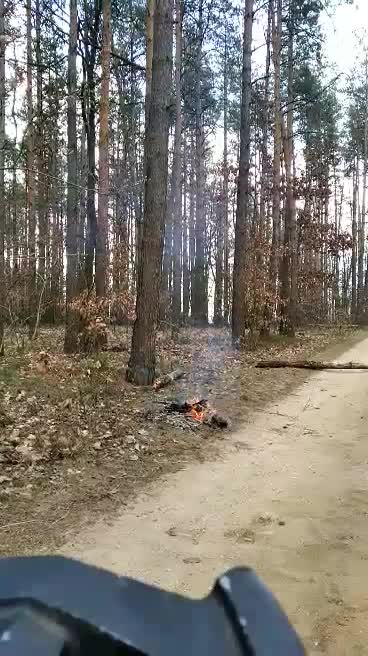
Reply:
x=78, y=441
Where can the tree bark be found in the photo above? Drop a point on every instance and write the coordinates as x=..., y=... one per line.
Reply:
x=199, y=295
x=102, y=250
x=354, y=247
x=141, y=367
x=150, y=13
x=81, y=235
x=186, y=270
x=40, y=156
x=31, y=213
x=221, y=301
x=166, y=275
x=288, y=273
x=192, y=243
x=176, y=173
x=265, y=175
x=361, y=284
x=219, y=264
x=226, y=264
x=276, y=56
x=242, y=209
x=2, y=176
x=72, y=322
x=92, y=15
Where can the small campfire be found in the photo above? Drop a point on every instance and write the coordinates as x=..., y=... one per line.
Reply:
x=200, y=410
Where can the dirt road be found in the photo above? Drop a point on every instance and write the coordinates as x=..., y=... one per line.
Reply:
x=289, y=497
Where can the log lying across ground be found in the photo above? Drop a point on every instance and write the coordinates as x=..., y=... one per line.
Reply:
x=167, y=379
x=309, y=364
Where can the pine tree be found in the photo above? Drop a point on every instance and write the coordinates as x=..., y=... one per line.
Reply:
x=72, y=323
x=242, y=209
x=2, y=173
x=141, y=367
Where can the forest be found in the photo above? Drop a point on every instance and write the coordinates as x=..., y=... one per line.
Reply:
x=178, y=163
x=184, y=314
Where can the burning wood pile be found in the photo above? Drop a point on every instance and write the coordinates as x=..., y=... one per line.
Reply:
x=200, y=410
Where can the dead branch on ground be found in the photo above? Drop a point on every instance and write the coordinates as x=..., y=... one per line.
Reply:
x=308, y=364
x=167, y=379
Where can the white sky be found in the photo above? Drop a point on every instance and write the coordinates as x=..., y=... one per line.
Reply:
x=342, y=28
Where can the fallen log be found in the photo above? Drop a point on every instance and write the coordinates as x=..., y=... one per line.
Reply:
x=308, y=364
x=167, y=379
x=115, y=348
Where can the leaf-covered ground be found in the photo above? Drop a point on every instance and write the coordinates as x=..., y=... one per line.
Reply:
x=76, y=440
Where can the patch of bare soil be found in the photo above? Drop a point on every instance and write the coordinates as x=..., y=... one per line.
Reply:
x=77, y=441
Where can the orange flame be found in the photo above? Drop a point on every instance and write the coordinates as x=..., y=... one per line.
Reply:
x=197, y=411
x=198, y=415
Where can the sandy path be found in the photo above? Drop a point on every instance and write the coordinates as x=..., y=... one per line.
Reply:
x=289, y=497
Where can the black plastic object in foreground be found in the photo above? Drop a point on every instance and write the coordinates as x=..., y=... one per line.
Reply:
x=52, y=606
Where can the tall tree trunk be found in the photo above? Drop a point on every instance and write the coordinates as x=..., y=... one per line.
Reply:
x=176, y=173
x=221, y=302
x=102, y=250
x=219, y=265
x=354, y=235
x=81, y=235
x=361, y=283
x=192, y=243
x=186, y=270
x=14, y=221
x=242, y=208
x=31, y=214
x=90, y=43
x=141, y=367
x=166, y=290
x=226, y=263
x=91, y=181
x=150, y=13
x=288, y=273
x=265, y=175
x=121, y=253
x=72, y=323
x=199, y=296
x=40, y=158
x=276, y=56
x=2, y=175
